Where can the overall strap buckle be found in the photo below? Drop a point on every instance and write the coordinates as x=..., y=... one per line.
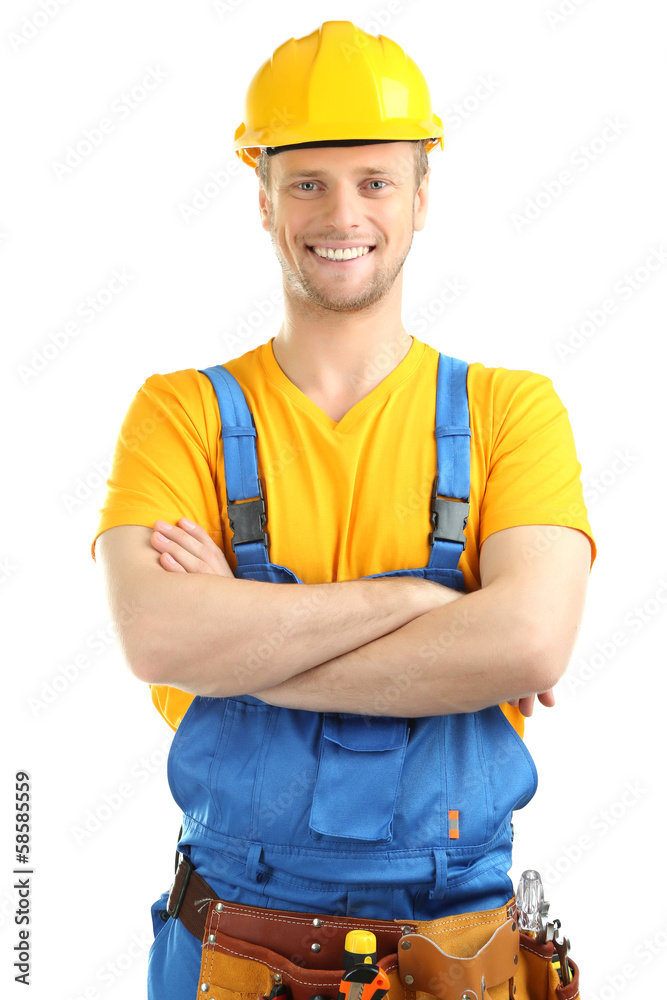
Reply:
x=449, y=518
x=247, y=519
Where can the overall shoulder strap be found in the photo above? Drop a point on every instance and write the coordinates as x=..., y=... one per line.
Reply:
x=451, y=488
x=245, y=497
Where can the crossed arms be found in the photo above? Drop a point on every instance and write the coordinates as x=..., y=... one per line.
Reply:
x=397, y=646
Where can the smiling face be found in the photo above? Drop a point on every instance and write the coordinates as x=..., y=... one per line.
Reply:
x=357, y=201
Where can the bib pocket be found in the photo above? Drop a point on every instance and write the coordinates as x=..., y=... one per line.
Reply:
x=358, y=774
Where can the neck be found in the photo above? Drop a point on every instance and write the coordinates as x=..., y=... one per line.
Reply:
x=335, y=357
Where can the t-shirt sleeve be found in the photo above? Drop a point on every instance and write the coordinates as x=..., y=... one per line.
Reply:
x=534, y=476
x=164, y=463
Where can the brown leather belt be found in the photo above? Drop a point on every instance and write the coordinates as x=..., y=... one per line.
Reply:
x=315, y=939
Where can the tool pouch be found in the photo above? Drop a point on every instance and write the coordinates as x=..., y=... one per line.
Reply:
x=537, y=977
x=478, y=956
x=239, y=970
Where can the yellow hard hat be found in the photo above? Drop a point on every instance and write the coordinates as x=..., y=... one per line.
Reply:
x=335, y=84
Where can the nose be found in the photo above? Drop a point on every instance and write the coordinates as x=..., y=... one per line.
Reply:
x=340, y=207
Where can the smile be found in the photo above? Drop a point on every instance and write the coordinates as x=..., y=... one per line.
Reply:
x=349, y=253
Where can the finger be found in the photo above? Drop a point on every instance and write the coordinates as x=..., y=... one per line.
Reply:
x=169, y=541
x=169, y=553
x=200, y=534
x=187, y=541
x=526, y=705
x=195, y=531
x=210, y=552
x=194, y=549
x=547, y=698
x=169, y=563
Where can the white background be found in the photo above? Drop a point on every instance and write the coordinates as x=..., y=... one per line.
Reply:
x=534, y=89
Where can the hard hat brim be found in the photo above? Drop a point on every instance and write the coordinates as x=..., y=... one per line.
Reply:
x=250, y=154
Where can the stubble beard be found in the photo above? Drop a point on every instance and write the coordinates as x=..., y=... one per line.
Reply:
x=375, y=289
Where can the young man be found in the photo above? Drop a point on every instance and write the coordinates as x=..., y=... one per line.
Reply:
x=351, y=746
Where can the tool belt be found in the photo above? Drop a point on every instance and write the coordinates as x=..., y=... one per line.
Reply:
x=247, y=951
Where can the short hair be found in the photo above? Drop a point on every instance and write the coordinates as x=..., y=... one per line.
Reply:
x=421, y=166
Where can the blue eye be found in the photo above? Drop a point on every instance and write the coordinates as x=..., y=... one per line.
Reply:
x=309, y=186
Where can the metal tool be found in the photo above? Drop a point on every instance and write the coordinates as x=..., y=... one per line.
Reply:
x=531, y=906
x=532, y=913
x=562, y=946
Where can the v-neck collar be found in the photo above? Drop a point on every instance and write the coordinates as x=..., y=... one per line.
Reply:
x=402, y=371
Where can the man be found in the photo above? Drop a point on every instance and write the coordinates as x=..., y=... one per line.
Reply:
x=339, y=747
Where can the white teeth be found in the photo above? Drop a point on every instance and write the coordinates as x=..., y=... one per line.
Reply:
x=347, y=254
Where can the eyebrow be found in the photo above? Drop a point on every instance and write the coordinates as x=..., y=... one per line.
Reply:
x=360, y=171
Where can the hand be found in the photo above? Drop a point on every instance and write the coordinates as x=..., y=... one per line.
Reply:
x=187, y=548
x=546, y=698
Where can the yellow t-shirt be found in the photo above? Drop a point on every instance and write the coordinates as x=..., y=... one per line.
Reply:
x=350, y=498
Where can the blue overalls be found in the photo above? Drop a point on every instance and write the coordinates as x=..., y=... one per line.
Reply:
x=339, y=813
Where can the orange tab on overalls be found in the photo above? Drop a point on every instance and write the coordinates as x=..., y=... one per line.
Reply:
x=453, y=824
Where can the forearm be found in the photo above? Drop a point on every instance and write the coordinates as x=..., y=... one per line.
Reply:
x=217, y=636
x=462, y=657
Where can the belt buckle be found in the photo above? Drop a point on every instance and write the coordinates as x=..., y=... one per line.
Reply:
x=189, y=868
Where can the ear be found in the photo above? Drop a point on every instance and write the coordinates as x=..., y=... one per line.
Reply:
x=264, y=208
x=421, y=202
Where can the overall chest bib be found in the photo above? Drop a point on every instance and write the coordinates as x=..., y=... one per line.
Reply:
x=295, y=809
